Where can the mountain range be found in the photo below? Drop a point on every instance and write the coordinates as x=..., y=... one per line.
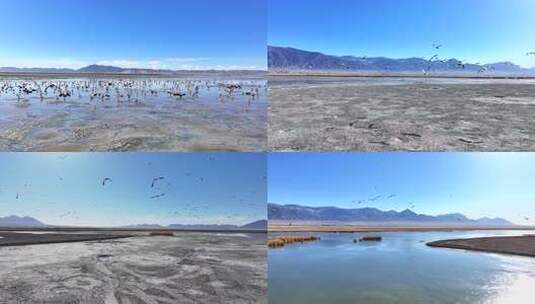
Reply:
x=334, y=214
x=27, y=221
x=260, y=224
x=287, y=58
x=94, y=68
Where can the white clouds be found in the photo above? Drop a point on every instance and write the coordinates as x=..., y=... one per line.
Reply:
x=163, y=63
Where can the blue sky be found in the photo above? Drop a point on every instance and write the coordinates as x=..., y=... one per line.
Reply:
x=483, y=31
x=66, y=189
x=170, y=34
x=475, y=184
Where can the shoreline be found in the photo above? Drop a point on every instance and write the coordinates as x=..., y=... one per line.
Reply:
x=511, y=245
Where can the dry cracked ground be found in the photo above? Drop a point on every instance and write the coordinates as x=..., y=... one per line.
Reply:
x=187, y=268
x=401, y=114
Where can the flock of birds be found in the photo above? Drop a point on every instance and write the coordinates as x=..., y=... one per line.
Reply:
x=410, y=206
x=124, y=91
x=157, y=186
x=375, y=198
x=455, y=63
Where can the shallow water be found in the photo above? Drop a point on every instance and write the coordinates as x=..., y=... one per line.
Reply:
x=135, y=114
x=400, y=269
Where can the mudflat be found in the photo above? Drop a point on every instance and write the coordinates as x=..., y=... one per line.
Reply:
x=186, y=268
x=122, y=113
x=400, y=114
x=516, y=245
x=21, y=239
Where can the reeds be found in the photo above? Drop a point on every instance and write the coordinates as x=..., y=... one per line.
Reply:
x=281, y=241
x=370, y=239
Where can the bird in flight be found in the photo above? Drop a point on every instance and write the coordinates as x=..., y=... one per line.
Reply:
x=105, y=180
x=157, y=196
x=154, y=180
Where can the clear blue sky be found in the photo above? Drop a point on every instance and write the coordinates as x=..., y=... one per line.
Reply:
x=66, y=189
x=472, y=30
x=131, y=33
x=475, y=184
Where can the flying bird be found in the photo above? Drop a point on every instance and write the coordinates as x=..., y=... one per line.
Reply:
x=433, y=58
x=157, y=196
x=154, y=180
x=373, y=199
x=105, y=180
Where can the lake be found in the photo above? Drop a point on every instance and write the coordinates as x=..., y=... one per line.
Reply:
x=400, y=269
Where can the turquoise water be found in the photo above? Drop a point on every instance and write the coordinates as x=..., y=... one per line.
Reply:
x=400, y=269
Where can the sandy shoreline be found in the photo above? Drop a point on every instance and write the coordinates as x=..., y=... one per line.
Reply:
x=515, y=245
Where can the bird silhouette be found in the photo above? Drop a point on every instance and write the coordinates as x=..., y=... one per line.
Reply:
x=154, y=180
x=105, y=180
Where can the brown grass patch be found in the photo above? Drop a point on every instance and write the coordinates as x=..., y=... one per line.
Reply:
x=281, y=241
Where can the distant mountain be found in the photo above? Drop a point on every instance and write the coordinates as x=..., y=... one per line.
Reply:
x=25, y=221
x=94, y=68
x=334, y=214
x=295, y=59
x=493, y=221
x=261, y=224
x=202, y=226
x=144, y=226
x=34, y=70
